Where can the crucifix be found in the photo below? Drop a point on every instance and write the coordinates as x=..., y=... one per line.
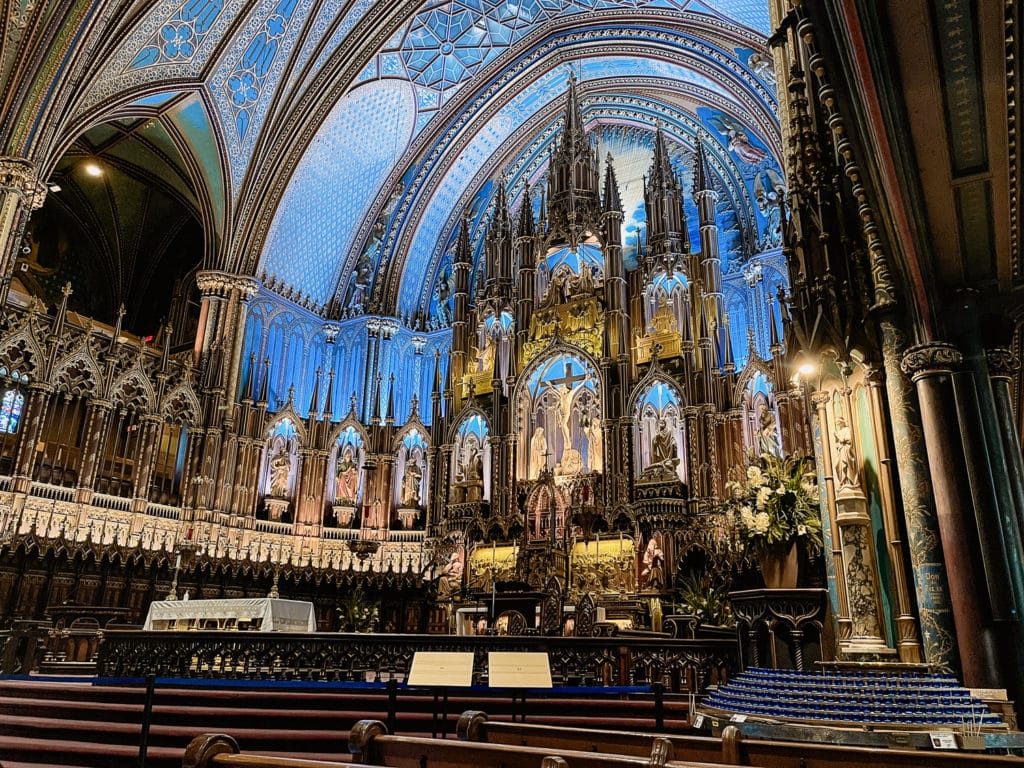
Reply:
x=564, y=394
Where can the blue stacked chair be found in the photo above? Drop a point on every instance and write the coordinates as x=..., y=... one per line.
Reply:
x=862, y=697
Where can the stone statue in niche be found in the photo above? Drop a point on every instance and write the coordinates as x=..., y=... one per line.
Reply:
x=411, y=484
x=845, y=468
x=280, y=473
x=652, y=576
x=595, y=445
x=485, y=356
x=663, y=445
x=473, y=468
x=768, y=434
x=664, y=456
x=346, y=479
x=449, y=580
x=538, y=452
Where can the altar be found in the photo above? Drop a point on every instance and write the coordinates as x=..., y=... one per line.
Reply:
x=262, y=614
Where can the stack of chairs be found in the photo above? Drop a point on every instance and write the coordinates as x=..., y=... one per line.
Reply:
x=902, y=699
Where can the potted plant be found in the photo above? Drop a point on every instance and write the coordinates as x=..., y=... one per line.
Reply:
x=774, y=505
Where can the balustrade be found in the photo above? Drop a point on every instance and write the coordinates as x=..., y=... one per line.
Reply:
x=682, y=665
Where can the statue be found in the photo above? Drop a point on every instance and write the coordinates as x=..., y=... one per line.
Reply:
x=449, y=580
x=845, y=468
x=473, y=468
x=280, y=472
x=411, y=484
x=485, y=356
x=663, y=446
x=653, y=574
x=538, y=452
x=768, y=434
x=346, y=479
x=564, y=395
x=595, y=446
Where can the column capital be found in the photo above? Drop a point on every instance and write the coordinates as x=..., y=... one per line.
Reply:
x=821, y=397
x=1002, y=363
x=930, y=359
x=216, y=283
x=21, y=177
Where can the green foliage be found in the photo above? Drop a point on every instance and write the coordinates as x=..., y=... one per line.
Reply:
x=775, y=502
x=356, y=613
x=705, y=597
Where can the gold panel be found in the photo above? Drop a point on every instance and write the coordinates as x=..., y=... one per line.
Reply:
x=580, y=322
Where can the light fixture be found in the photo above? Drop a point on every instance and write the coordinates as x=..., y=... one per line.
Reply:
x=93, y=169
x=806, y=370
x=53, y=187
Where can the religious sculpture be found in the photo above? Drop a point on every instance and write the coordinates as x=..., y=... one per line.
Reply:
x=473, y=468
x=653, y=574
x=449, y=580
x=280, y=473
x=595, y=447
x=411, y=484
x=663, y=445
x=538, y=452
x=664, y=456
x=768, y=434
x=564, y=395
x=845, y=468
x=346, y=479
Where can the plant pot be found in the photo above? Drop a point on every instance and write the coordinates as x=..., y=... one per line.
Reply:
x=779, y=567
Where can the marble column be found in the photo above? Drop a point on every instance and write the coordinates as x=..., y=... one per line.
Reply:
x=928, y=571
x=931, y=366
x=1002, y=366
x=908, y=643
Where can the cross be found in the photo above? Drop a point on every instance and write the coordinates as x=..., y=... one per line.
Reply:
x=569, y=379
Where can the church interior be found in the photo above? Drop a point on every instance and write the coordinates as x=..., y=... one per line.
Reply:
x=688, y=327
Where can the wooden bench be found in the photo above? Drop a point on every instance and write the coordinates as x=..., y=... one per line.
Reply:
x=731, y=749
x=370, y=745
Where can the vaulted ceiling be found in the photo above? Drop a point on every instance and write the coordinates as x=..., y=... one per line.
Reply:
x=316, y=131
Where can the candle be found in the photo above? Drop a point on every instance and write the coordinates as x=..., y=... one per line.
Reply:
x=177, y=561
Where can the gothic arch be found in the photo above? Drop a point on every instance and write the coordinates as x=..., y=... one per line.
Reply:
x=133, y=389
x=181, y=405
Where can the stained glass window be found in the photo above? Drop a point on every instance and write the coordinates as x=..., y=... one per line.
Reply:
x=10, y=411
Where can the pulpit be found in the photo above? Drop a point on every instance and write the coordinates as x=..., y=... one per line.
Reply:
x=779, y=628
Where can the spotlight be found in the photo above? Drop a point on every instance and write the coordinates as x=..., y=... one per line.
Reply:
x=93, y=169
x=53, y=187
x=807, y=369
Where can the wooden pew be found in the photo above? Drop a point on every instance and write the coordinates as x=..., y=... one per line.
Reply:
x=369, y=743
x=218, y=750
x=731, y=749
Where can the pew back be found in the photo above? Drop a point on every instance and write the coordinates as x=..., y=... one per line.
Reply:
x=369, y=743
x=730, y=750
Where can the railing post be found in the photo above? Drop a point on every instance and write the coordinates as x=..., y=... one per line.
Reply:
x=392, y=689
x=147, y=715
x=659, y=705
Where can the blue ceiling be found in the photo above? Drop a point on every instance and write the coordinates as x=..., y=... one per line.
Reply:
x=459, y=89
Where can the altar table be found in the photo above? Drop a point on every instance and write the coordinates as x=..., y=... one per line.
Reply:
x=259, y=613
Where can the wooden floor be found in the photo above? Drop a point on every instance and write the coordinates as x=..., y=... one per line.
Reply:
x=82, y=725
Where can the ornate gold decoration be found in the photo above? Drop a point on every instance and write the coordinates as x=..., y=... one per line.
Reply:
x=580, y=322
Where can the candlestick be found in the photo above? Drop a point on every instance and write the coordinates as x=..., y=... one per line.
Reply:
x=494, y=596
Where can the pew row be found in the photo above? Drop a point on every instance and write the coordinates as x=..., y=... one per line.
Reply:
x=731, y=749
x=372, y=747
x=369, y=743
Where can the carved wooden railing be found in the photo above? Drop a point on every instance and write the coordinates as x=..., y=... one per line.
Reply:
x=682, y=665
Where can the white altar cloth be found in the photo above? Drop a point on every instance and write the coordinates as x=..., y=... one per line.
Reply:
x=265, y=613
